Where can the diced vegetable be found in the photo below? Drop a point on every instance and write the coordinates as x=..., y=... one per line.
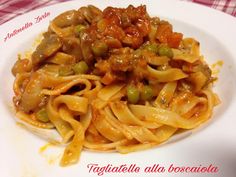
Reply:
x=42, y=115
x=133, y=94
x=163, y=31
x=165, y=51
x=80, y=68
x=146, y=93
x=99, y=48
x=174, y=39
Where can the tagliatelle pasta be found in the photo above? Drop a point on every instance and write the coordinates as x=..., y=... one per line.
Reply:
x=112, y=80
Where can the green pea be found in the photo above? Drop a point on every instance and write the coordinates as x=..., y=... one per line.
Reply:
x=42, y=115
x=65, y=71
x=79, y=28
x=146, y=93
x=165, y=51
x=132, y=94
x=80, y=68
x=152, y=48
x=99, y=48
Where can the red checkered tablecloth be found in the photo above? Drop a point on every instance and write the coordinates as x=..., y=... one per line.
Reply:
x=12, y=8
x=227, y=6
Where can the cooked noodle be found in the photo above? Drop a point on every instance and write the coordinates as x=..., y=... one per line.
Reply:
x=109, y=80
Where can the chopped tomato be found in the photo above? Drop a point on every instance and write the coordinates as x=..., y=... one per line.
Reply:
x=174, y=40
x=163, y=31
x=113, y=15
x=115, y=32
x=133, y=37
x=135, y=13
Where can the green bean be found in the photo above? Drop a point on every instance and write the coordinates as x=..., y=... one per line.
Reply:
x=42, y=115
x=80, y=68
x=132, y=94
x=165, y=51
x=152, y=48
x=146, y=93
x=65, y=71
x=99, y=48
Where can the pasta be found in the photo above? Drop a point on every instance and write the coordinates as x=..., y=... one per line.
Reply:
x=109, y=80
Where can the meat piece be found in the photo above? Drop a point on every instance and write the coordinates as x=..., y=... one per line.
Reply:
x=45, y=49
x=90, y=13
x=103, y=66
x=86, y=43
x=121, y=59
x=135, y=13
x=68, y=18
x=120, y=62
x=204, y=68
x=71, y=46
x=133, y=37
x=144, y=26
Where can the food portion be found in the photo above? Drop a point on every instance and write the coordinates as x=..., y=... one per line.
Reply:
x=116, y=79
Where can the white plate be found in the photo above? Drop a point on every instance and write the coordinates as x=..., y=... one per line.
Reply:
x=213, y=143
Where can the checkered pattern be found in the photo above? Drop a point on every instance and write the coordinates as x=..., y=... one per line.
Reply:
x=12, y=8
x=227, y=6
